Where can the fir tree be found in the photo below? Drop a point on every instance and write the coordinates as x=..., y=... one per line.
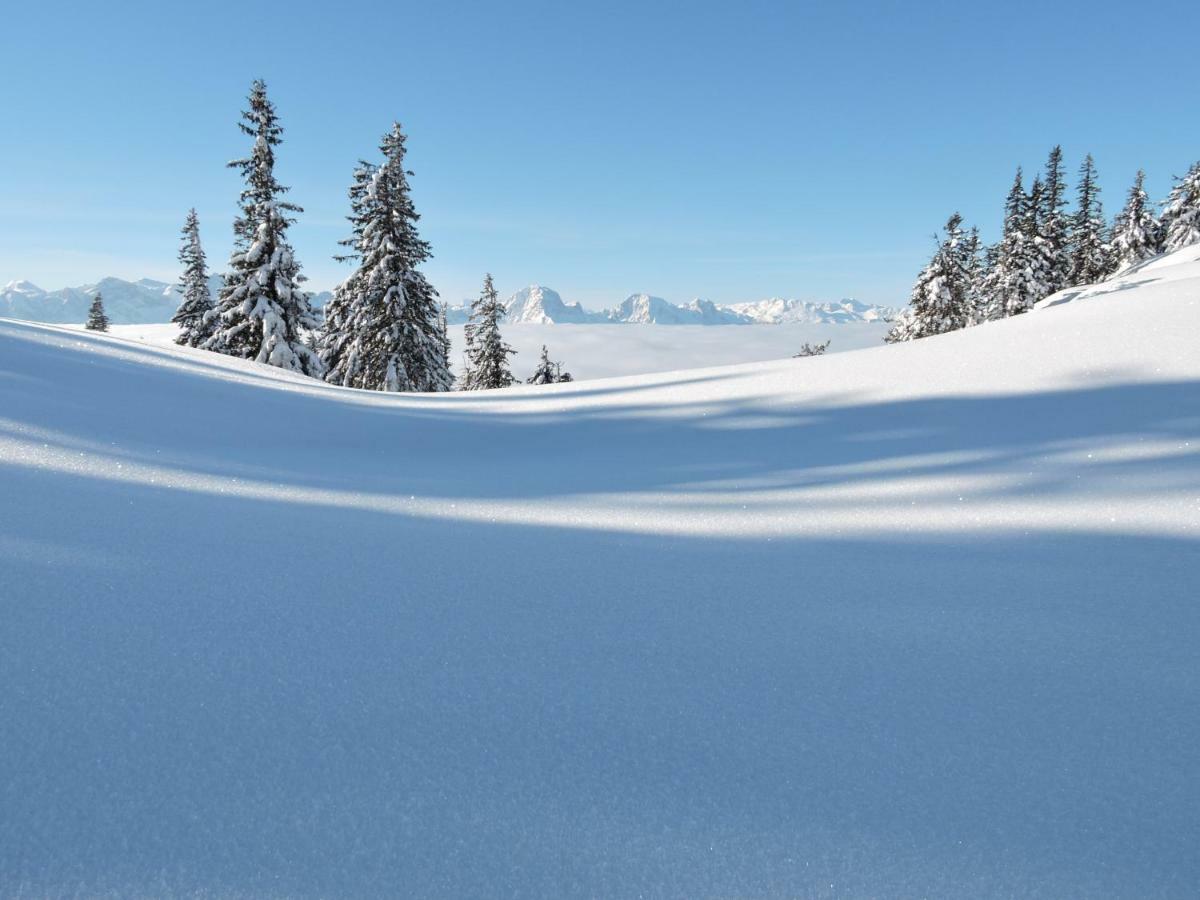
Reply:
x=1016, y=280
x=383, y=329
x=487, y=354
x=261, y=313
x=96, y=320
x=1181, y=213
x=548, y=372
x=1052, y=223
x=1089, y=250
x=807, y=349
x=193, y=286
x=941, y=300
x=1137, y=235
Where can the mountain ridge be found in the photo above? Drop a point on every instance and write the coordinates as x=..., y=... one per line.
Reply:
x=149, y=301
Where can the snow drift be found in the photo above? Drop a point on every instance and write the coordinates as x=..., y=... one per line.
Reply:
x=918, y=620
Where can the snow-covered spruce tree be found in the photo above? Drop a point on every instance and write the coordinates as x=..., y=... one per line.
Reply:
x=1137, y=235
x=487, y=354
x=548, y=372
x=193, y=285
x=1089, y=248
x=1053, y=223
x=443, y=326
x=383, y=328
x=261, y=313
x=97, y=320
x=1181, y=213
x=1016, y=279
x=941, y=300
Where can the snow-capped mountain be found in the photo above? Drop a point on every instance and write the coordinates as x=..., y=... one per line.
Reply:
x=140, y=302
x=778, y=311
x=643, y=309
x=147, y=301
x=540, y=305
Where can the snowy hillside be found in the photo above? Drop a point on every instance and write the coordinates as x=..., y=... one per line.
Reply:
x=912, y=621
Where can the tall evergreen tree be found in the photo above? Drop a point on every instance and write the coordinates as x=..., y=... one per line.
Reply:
x=383, y=328
x=1181, y=213
x=193, y=286
x=261, y=313
x=1017, y=279
x=1053, y=223
x=97, y=320
x=941, y=300
x=1089, y=249
x=1137, y=235
x=487, y=354
x=548, y=372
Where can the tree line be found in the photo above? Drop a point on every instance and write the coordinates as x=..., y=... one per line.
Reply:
x=384, y=328
x=1043, y=249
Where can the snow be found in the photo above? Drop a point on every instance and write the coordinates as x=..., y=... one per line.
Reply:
x=917, y=620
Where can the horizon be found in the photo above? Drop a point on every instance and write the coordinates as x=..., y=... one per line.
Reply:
x=811, y=186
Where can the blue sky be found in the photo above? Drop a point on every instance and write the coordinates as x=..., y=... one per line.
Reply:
x=731, y=151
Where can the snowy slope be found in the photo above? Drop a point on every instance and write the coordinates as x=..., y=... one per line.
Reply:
x=912, y=621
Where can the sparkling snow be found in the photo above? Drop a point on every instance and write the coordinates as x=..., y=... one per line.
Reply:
x=918, y=620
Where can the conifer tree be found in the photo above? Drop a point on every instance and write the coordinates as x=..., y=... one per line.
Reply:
x=487, y=354
x=1089, y=249
x=261, y=313
x=1053, y=223
x=1137, y=235
x=193, y=286
x=1016, y=280
x=383, y=328
x=941, y=300
x=548, y=372
x=1181, y=213
x=96, y=320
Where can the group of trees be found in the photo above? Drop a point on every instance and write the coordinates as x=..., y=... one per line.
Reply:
x=1043, y=249
x=383, y=329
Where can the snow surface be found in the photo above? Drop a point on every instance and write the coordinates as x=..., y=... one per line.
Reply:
x=914, y=621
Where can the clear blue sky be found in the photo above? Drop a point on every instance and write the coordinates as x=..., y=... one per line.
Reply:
x=726, y=150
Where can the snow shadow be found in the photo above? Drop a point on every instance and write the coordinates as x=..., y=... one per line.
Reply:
x=258, y=698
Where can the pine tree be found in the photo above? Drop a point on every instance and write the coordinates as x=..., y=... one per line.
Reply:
x=1089, y=250
x=193, y=286
x=261, y=313
x=1181, y=213
x=941, y=300
x=383, y=328
x=487, y=354
x=1016, y=280
x=548, y=372
x=1040, y=249
x=1052, y=223
x=444, y=334
x=96, y=320
x=1137, y=235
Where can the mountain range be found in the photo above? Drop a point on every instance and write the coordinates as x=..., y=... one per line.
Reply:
x=148, y=301
x=542, y=306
